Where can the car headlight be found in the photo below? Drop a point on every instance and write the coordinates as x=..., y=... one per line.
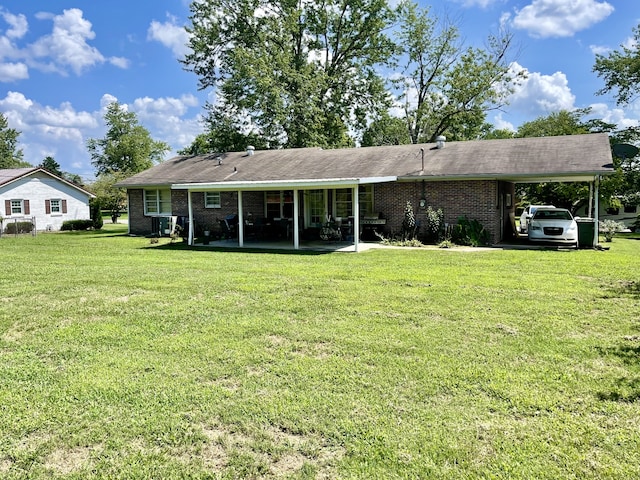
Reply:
x=535, y=227
x=573, y=226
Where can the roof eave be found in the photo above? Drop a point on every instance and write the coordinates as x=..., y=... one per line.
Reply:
x=282, y=184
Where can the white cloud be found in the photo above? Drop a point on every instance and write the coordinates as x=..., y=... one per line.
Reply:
x=171, y=35
x=501, y=124
x=479, y=3
x=66, y=46
x=560, y=18
x=617, y=116
x=120, y=62
x=540, y=95
x=11, y=72
x=599, y=49
x=18, y=25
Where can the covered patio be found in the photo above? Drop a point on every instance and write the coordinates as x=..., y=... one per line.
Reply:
x=297, y=221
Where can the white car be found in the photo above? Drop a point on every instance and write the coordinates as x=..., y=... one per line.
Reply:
x=527, y=213
x=555, y=225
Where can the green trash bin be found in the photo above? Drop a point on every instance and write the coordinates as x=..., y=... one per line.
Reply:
x=586, y=232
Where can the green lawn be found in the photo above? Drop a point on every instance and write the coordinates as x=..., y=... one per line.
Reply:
x=122, y=359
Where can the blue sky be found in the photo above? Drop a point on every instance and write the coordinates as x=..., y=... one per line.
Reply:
x=63, y=61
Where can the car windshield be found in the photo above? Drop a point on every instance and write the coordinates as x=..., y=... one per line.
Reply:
x=552, y=215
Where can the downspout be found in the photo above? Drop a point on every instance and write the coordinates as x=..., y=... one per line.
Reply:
x=190, y=239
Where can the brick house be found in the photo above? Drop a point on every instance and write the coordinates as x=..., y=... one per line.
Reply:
x=364, y=187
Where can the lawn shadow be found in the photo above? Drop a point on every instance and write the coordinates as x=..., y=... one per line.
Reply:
x=177, y=246
x=627, y=388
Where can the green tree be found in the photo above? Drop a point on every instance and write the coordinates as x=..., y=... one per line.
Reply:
x=620, y=70
x=10, y=154
x=303, y=73
x=386, y=130
x=447, y=89
x=127, y=146
x=109, y=197
x=52, y=166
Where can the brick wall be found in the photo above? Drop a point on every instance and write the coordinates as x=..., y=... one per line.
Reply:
x=481, y=200
x=477, y=200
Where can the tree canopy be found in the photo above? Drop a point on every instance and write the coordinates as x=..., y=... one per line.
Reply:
x=50, y=164
x=304, y=72
x=127, y=147
x=446, y=89
x=620, y=70
x=10, y=154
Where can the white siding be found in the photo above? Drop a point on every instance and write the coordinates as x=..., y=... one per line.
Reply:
x=38, y=188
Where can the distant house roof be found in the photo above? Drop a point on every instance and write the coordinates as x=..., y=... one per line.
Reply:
x=562, y=158
x=9, y=175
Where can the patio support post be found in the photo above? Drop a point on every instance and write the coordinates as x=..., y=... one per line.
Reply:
x=190, y=239
x=356, y=218
x=296, y=207
x=590, y=209
x=596, y=210
x=240, y=220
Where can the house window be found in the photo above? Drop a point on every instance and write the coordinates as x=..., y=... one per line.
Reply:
x=279, y=204
x=365, y=197
x=212, y=200
x=55, y=206
x=157, y=202
x=343, y=205
x=629, y=209
x=316, y=207
x=16, y=207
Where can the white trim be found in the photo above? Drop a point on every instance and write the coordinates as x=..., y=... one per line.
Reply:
x=281, y=184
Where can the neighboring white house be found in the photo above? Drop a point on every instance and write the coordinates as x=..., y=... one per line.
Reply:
x=34, y=193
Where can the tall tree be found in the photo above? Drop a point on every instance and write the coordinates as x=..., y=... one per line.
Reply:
x=127, y=147
x=620, y=70
x=52, y=166
x=109, y=197
x=304, y=72
x=386, y=130
x=10, y=154
x=447, y=89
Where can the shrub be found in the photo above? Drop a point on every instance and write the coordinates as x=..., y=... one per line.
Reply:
x=470, y=232
x=434, y=226
x=96, y=215
x=409, y=223
x=70, y=225
x=609, y=228
x=18, y=227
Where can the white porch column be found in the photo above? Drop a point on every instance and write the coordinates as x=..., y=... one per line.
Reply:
x=296, y=207
x=596, y=211
x=190, y=238
x=240, y=220
x=356, y=219
x=590, y=209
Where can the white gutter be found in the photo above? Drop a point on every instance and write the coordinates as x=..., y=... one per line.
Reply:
x=281, y=184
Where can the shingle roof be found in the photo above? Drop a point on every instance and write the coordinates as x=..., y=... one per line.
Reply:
x=8, y=175
x=518, y=159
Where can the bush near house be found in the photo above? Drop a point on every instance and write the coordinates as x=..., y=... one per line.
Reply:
x=71, y=225
x=18, y=227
